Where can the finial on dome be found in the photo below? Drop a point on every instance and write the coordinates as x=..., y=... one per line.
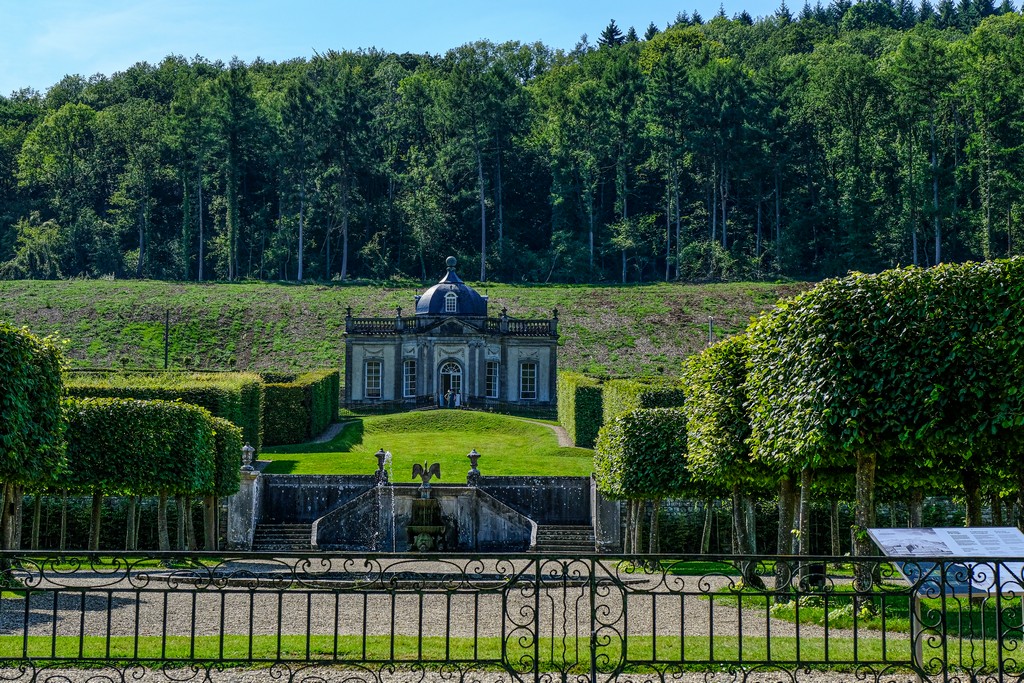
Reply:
x=450, y=262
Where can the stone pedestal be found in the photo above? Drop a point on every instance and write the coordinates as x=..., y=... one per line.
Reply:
x=607, y=519
x=243, y=509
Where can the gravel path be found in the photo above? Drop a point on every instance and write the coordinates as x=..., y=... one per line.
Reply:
x=453, y=598
x=332, y=431
x=564, y=440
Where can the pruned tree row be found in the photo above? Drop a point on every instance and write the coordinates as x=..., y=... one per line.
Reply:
x=908, y=380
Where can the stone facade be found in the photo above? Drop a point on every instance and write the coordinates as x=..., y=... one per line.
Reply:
x=450, y=348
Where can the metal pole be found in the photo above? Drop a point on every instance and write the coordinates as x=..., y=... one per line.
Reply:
x=167, y=335
x=711, y=331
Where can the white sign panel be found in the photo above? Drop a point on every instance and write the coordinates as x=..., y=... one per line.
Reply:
x=959, y=544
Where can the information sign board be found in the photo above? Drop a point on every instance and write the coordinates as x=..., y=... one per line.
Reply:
x=960, y=575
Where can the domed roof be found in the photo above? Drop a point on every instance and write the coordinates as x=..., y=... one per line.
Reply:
x=437, y=300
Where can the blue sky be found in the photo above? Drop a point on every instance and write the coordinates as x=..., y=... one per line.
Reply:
x=42, y=40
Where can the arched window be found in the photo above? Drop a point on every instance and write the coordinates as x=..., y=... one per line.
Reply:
x=451, y=378
x=451, y=302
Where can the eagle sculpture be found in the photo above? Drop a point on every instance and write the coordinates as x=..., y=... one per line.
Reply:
x=426, y=473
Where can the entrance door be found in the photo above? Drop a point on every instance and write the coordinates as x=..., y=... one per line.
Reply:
x=451, y=379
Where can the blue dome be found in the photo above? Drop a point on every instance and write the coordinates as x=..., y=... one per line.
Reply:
x=438, y=300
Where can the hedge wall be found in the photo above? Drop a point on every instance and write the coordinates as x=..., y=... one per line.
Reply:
x=623, y=395
x=298, y=410
x=579, y=407
x=133, y=447
x=31, y=417
x=237, y=397
x=642, y=454
x=227, y=458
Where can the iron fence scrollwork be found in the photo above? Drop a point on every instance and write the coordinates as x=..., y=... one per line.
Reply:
x=525, y=617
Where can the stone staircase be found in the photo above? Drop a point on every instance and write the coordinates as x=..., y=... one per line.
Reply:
x=564, y=539
x=277, y=537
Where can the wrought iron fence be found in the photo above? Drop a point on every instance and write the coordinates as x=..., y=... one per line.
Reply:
x=520, y=617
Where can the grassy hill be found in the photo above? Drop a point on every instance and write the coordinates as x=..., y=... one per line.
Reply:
x=634, y=329
x=508, y=446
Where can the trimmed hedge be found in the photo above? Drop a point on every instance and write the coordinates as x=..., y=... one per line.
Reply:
x=237, y=397
x=716, y=417
x=31, y=417
x=227, y=458
x=132, y=447
x=298, y=410
x=623, y=395
x=580, y=407
x=642, y=454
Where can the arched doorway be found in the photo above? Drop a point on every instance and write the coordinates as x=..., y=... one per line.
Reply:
x=451, y=379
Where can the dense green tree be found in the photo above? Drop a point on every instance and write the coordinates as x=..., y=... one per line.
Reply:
x=842, y=138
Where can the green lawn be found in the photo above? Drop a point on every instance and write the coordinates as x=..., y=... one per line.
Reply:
x=697, y=652
x=508, y=446
x=632, y=329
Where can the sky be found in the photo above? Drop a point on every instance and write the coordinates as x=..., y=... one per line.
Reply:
x=41, y=41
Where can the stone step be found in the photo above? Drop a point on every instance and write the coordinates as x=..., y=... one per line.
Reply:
x=278, y=537
x=567, y=539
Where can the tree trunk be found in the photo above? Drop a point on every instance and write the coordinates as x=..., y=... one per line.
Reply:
x=806, y=480
x=834, y=527
x=996, y=505
x=190, y=529
x=200, y=276
x=179, y=527
x=302, y=227
x=164, y=538
x=705, y=536
x=784, y=539
x=344, y=232
x=679, y=220
x=627, y=542
x=95, y=520
x=655, y=542
x=751, y=514
x=638, y=526
x=129, y=539
x=37, y=519
x=5, y=516
x=19, y=507
x=63, y=519
x=916, y=504
x=501, y=216
x=483, y=216
x=739, y=522
x=209, y=522
x=972, y=492
x=725, y=205
x=864, y=517
x=668, y=233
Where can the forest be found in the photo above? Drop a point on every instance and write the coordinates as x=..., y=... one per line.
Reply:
x=802, y=144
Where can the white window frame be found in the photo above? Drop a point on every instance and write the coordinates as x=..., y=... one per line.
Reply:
x=409, y=379
x=492, y=379
x=373, y=381
x=451, y=302
x=527, y=376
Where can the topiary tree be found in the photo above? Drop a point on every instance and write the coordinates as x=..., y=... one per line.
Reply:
x=130, y=447
x=866, y=371
x=718, y=429
x=31, y=419
x=641, y=455
x=226, y=475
